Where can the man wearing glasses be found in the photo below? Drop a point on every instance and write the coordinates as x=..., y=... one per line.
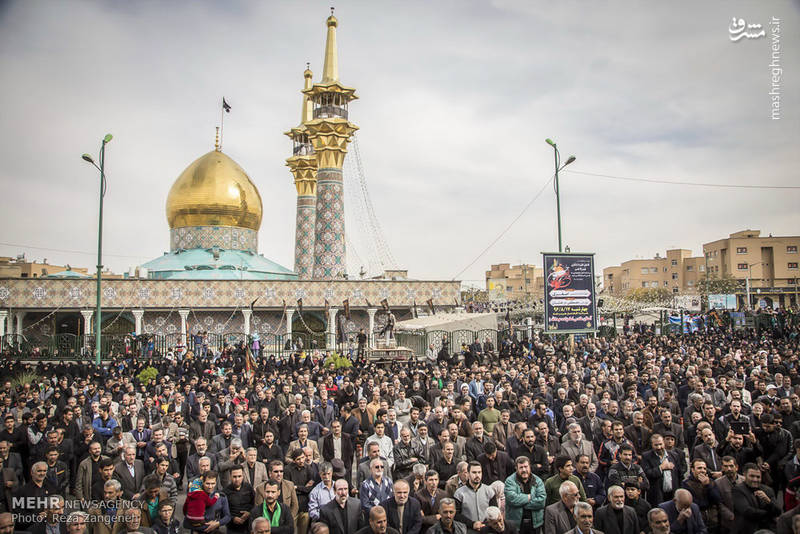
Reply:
x=558, y=517
x=377, y=488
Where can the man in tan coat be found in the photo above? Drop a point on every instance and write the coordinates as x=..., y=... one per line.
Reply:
x=83, y=481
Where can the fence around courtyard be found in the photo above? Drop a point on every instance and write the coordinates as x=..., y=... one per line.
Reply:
x=73, y=347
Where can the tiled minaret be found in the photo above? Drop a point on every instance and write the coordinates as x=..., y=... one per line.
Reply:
x=329, y=132
x=303, y=165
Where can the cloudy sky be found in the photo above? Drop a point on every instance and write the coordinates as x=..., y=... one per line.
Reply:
x=456, y=99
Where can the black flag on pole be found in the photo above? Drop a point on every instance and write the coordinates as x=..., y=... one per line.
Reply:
x=346, y=304
x=385, y=304
x=226, y=106
x=300, y=305
x=431, y=307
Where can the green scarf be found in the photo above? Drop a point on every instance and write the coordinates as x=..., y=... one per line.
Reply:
x=274, y=521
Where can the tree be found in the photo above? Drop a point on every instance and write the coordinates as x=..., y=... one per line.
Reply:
x=650, y=295
x=718, y=285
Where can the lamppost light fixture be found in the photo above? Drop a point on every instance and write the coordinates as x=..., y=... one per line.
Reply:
x=107, y=138
x=87, y=157
x=569, y=160
x=549, y=142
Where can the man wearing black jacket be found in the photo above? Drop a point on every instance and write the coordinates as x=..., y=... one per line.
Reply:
x=241, y=499
x=754, y=503
x=403, y=512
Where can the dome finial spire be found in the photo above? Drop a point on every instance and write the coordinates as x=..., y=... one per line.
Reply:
x=216, y=140
x=330, y=69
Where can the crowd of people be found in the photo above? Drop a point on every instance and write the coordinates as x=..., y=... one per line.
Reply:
x=639, y=433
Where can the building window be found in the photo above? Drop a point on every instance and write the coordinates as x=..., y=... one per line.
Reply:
x=645, y=270
x=666, y=284
x=674, y=263
x=665, y=269
x=644, y=284
x=701, y=268
x=653, y=269
x=674, y=289
x=610, y=276
x=674, y=276
x=742, y=266
x=793, y=265
x=741, y=250
x=791, y=249
x=654, y=284
x=689, y=268
x=690, y=283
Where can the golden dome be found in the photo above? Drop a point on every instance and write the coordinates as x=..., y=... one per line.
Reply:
x=214, y=191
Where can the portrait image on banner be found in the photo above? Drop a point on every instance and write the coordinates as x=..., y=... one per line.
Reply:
x=569, y=296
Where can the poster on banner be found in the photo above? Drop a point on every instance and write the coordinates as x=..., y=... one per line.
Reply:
x=722, y=302
x=569, y=297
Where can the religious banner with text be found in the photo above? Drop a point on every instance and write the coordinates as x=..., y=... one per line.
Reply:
x=569, y=296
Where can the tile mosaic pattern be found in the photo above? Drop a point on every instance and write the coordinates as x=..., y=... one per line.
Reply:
x=225, y=237
x=329, y=242
x=47, y=294
x=304, y=236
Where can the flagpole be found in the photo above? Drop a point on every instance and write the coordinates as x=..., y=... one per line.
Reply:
x=221, y=121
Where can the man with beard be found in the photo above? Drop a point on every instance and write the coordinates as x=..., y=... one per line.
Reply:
x=278, y=514
x=405, y=456
x=447, y=523
x=730, y=479
x=88, y=470
x=241, y=499
x=592, y=485
x=615, y=517
x=269, y=450
x=503, y=430
x=754, y=503
x=741, y=447
x=342, y=515
x=704, y=493
x=663, y=471
x=667, y=425
x=496, y=465
x=535, y=453
x=659, y=521
x=576, y=445
x=201, y=448
x=776, y=442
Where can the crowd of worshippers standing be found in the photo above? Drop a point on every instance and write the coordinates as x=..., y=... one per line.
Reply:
x=640, y=433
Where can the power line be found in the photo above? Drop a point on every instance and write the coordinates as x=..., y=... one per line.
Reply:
x=695, y=184
x=68, y=251
x=507, y=228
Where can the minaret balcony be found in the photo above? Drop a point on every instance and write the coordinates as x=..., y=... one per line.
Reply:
x=330, y=112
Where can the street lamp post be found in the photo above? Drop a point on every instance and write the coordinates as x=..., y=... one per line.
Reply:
x=558, y=166
x=98, y=309
x=747, y=280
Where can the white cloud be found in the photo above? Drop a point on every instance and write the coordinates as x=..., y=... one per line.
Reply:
x=456, y=100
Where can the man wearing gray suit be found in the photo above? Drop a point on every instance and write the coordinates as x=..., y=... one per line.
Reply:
x=129, y=472
x=558, y=517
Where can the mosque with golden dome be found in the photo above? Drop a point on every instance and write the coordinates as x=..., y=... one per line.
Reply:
x=213, y=278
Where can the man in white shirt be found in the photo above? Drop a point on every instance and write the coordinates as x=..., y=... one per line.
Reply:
x=385, y=442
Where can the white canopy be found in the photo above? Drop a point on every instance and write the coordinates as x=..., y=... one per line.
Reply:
x=450, y=322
